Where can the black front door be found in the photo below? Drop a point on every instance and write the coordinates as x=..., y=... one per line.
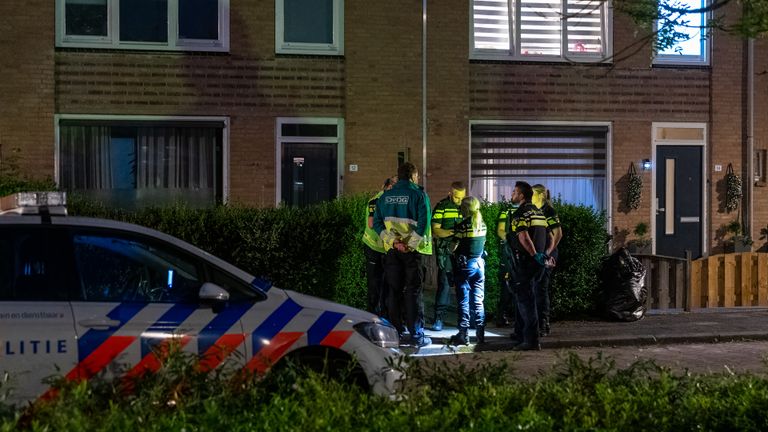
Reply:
x=309, y=173
x=679, y=198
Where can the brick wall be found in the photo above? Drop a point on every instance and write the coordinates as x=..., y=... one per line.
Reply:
x=26, y=87
x=251, y=85
x=727, y=140
x=447, y=97
x=383, y=89
x=376, y=88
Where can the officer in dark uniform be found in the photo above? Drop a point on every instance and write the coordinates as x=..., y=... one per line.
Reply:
x=542, y=200
x=506, y=309
x=444, y=219
x=527, y=234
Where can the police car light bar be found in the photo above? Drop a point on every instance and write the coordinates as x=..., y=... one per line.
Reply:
x=32, y=202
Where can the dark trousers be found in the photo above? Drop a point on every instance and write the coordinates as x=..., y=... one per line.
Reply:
x=542, y=296
x=374, y=271
x=470, y=290
x=404, y=275
x=444, y=278
x=526, y=279
x=506, y=309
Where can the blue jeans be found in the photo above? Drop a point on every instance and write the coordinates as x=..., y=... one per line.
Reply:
x=470, y=288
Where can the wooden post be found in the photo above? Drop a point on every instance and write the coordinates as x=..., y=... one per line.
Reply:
x=746, y=279
x=713, y=281
x=663, y=280
x=693, y=288
x=729, y=281
x=762, y=279
x=680, y=283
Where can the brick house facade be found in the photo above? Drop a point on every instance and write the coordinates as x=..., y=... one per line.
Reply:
x=375, y=89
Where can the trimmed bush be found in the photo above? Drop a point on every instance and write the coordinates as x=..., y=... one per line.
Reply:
x=314, y=250
x=576, y=395
x=11, y=184
x=317, y=250
x=576, y=277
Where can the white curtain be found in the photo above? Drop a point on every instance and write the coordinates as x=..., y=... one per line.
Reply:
x=85, y=157
x=163, y=164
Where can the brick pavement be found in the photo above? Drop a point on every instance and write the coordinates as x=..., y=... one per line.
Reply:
x=705, y=326
x=711, y=341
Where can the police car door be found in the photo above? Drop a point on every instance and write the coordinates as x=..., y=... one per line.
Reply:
x=140, y=300
x=37, y=335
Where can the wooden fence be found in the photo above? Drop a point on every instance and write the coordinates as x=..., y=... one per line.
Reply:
x=666, y=281
x=730, y=280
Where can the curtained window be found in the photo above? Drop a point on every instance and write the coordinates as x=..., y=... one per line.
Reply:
x=138, y=164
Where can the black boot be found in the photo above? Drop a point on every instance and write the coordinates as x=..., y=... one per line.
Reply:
x=460, y=338
x=480, y=334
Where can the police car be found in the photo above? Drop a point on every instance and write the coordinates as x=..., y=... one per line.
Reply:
x=82, y=297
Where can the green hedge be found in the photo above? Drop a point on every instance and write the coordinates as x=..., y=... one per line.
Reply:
x=577, y=395
x=576, y=277
x=317, y=250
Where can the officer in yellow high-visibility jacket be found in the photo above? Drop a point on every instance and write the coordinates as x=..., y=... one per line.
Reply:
x=444, y=219
x=374, y=257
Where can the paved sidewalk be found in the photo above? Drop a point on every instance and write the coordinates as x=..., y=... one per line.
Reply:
x=705, y=326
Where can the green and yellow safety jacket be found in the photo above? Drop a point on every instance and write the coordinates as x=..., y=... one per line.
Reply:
x=370, y=237
x=404, y=211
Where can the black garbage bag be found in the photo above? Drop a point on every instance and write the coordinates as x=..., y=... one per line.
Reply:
x=623, y=287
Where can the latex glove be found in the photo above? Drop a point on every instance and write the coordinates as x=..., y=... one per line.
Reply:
x=414, y=241
x=551, y=262
x=541, y=258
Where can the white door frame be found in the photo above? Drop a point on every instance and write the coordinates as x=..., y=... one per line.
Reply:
x=672, y=142
x=338, y=140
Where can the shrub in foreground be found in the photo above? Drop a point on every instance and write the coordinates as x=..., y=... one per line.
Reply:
x=576, y=395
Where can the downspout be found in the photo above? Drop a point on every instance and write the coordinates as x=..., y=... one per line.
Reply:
x=424, y=93
x=749, y=178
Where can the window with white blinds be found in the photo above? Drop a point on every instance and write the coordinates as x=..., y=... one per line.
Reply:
x=539, y=29
x=570, y=160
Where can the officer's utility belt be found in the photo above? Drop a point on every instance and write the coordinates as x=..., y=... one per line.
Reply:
x=444, y=246
x=462, y=260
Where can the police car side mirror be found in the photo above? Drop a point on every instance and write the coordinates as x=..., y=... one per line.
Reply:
x=212, y=293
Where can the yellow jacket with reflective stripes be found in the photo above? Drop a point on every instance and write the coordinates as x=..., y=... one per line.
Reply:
x=370, y=237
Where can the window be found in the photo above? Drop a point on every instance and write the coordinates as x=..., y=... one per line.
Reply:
x=181, y=25
x=548, y=30
x=693, y=47
x=130, y=164
x=309, y=27
x=118, y=268
x=310, y=157
x=33, y=263
x=570, y=161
